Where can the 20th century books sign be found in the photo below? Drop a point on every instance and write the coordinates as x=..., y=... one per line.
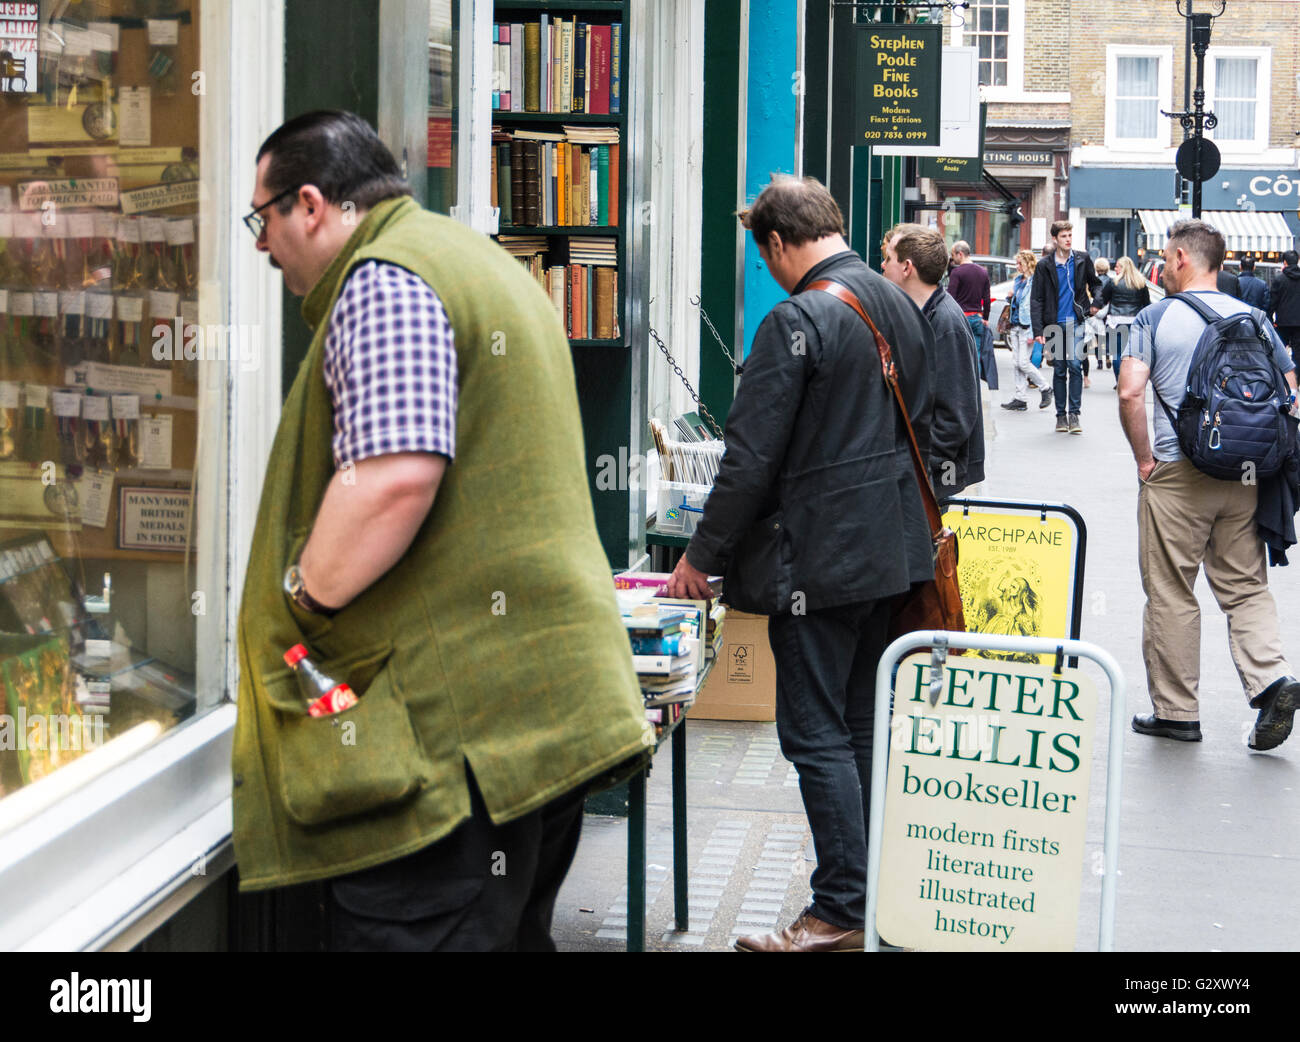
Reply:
x=987, y=807
x=898, y=84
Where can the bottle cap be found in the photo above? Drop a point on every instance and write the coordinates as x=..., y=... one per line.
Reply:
x=295, y=654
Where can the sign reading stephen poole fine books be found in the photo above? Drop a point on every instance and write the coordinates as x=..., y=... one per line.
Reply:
x=897, y=99
x=154, y=518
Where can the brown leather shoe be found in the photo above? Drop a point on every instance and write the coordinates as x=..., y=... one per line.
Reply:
x=805, y=934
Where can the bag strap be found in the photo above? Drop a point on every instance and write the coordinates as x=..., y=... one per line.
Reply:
x=889, y=372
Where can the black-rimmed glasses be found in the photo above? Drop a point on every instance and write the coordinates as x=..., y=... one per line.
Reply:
x=254, y=220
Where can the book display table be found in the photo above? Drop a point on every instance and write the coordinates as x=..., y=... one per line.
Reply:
x=636, y=841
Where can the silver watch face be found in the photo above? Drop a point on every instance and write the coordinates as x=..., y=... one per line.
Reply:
x=292, y=580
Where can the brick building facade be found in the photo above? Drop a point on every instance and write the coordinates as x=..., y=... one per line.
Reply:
x=1124, y=188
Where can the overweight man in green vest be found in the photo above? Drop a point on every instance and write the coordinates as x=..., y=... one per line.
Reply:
x=426, y=530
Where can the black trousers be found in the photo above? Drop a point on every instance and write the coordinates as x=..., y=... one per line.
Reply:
x=825, y=704
x=485, y=887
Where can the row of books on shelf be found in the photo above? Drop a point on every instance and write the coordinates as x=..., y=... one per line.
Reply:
x=557, y=179
x=673, y=640
x=557, y=65
x=584, y=291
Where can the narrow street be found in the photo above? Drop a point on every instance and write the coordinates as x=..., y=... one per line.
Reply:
x=1208, y=841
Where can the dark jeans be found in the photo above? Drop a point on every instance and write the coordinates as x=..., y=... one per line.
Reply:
x=1067, y=378
x=825, y=700
x=984, y=346
x=485, y=887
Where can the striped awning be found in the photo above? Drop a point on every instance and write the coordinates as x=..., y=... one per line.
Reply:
x=1246, y=231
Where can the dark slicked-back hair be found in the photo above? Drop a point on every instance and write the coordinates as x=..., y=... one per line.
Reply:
x=339, y=153
x=797, y=210
x=1202, y=241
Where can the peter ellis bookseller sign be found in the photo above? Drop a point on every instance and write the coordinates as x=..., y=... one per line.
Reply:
x=987, y=807
x=898, y=84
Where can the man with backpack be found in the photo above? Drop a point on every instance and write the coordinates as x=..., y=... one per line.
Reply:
x=1187, y=517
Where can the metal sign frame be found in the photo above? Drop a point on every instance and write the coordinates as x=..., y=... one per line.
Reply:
x=940, y=641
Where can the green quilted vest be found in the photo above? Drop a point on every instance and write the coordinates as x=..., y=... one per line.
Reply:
x=495, y=641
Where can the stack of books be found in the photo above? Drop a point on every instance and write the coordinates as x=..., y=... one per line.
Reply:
x=554, y=179
x=557, y=65
x=664, y=654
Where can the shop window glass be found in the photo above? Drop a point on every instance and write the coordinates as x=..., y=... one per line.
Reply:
x=443, y=18
x=1137, y=97
x=1235, y=86
x=111, y=507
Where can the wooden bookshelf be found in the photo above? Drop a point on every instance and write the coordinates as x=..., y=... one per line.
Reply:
x=561, y=238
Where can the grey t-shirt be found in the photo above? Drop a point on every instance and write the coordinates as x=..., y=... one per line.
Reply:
x=1164, y=338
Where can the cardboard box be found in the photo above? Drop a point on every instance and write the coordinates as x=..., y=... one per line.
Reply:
x=742, y=684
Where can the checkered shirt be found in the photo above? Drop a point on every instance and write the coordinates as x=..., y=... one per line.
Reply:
x=390, y=366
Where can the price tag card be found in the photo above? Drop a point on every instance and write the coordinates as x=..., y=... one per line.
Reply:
x=8, y=395
x=126, y=406
x=180, y=232
x=163, y=304
x=27, y=226
x=163, y=32
x=134, y=115
x=6, y=224
x=99, y=305
x=47, y=304
x=105, y=225
x=55, y=225
x=77, y=42
x=38, y=396
x=151, y=229
x=156, y=443
x=130, y=309
x=67, y=403
x=94, y=408
x=104, y=36
x=4, y=302
x=22, y=305
x=95, y=491
x=81, y=226
x=72, y=301
x=128, y=229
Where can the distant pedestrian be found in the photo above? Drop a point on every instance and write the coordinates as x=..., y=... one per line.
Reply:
x=1225, y=282
x=914, y=259
x=1064, y=285
x=1020, y=340
x=1254, y=291
x=1187, y=519
x=968, y=284
x=1284, y=301
x=1095, y=327
x=1124, y=296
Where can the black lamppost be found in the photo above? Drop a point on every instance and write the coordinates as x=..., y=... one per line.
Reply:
x=1198, y=159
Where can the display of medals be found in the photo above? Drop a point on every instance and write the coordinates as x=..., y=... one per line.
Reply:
x=67, y=423
x=9, y=413
x=72, y=341
x=130, y=320
x=36, y=404
x=126, y=430
x=96, y=433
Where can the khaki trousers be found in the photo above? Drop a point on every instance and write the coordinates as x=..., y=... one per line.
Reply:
x=1186, y=519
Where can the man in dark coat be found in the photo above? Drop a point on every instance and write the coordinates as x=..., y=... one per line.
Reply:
x=1285, y=303
x=914, y=259
x=1057, y=319
x=1254, y=290
x=816, y=520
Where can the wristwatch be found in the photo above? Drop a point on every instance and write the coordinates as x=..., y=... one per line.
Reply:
x=297, y=591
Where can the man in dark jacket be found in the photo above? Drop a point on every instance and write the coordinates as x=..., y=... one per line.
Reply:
x=1254, y=290
x=1057, y=319
x=816, y=520
x=914, y=259
x=1285, y=303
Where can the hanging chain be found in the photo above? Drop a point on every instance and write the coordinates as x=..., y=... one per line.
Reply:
x=682, y=376
x=705, y=315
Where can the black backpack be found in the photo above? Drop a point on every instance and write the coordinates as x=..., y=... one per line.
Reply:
x=1236, y=410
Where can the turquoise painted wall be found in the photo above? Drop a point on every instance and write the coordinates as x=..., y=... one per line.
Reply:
x=769, y=135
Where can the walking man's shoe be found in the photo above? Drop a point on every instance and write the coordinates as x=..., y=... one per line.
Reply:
x=1046, y=400
x=1075, y=426
x=805, y=934
x=1276, y=715
x=1062, y=426
x=1015, y=405
x=1178, y=730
